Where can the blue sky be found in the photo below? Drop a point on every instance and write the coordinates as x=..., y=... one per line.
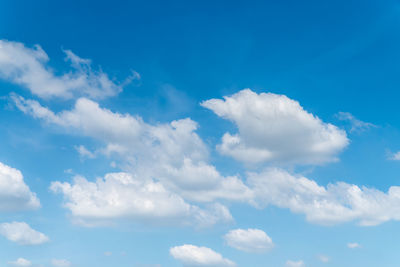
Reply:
x=212, y=133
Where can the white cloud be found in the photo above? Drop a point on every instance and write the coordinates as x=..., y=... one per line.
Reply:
x=335, y=203
x=14, y=193
x=84, y=152
x=29, y=68
x=290, y=263
x=323, y=258
x=120, y=195
x=60, y=263
x=21, y=262
x=275, y=128
x=191, y=255
x=356, y=124
x=395, y=156
x=22, y=233
x=250, y=240
x=171, y=153
x=353, y=245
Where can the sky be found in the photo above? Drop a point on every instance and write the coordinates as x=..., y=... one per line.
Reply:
x=199, y=133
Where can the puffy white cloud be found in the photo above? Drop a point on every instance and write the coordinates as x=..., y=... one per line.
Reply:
x=22, y=233
x=60, y=263
x=20, y=262
x=290, y=263
x=356, y=125
x=275, y=128
x=250, y=240
x=120, y=195
x=28, y=67
x=191, y=255
x=172, y=153
x=353, y=245
x=335, y=203
x=14, y=193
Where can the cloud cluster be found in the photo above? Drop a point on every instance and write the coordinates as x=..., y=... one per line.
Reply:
x=28, y=67
x=275, y=128
x=14, y=193
x=192, y=256
x=22, y=234
x=250, y=240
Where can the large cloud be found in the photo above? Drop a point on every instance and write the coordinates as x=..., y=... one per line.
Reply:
x=22, y=233
x=192, y=256
x=14, y=193
x=121, y=196
x=28, y=67
x=335, y=203
x=275, y=128
x=250, y=240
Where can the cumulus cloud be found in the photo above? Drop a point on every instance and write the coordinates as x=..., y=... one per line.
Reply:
x=120, y=195
x=356, y=125
x=335, y=203
x=192, y=256
x=21, y=262
x=21, y=233
x=275, y=128
x=29, y=68
x=353, y=245
x=250, y=240
x=60, y=263
x=172, y=153
x=290, y=263
x=14, y=193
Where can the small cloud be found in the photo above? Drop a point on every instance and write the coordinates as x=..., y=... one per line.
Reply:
x=21, y=262
x=394, y=155
x=323, y=258
x=84, y=152
x=355, y=124
x=353, y=245
x=22, y=234
x=290, y=263
x=108, y=253
x=60, y=263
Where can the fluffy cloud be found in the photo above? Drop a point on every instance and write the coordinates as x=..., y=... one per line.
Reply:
x=21, y=262
x=120, y=195
x=335, y=203
x=60, y=263
x=275, y=128
x=250, y=240
x=28, y=67
x=14, y=193
x=290, y=263
x=191, y=255
x=22, y=233
x=172, y=153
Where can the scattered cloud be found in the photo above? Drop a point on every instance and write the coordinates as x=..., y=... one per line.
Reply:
x=22, y=233
x=60, y=263
x=250, y=240
x=21, y=262
x=191, y=255
x=275, y=128
x=28, y=67
x=356, y=124
x=290, y=263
